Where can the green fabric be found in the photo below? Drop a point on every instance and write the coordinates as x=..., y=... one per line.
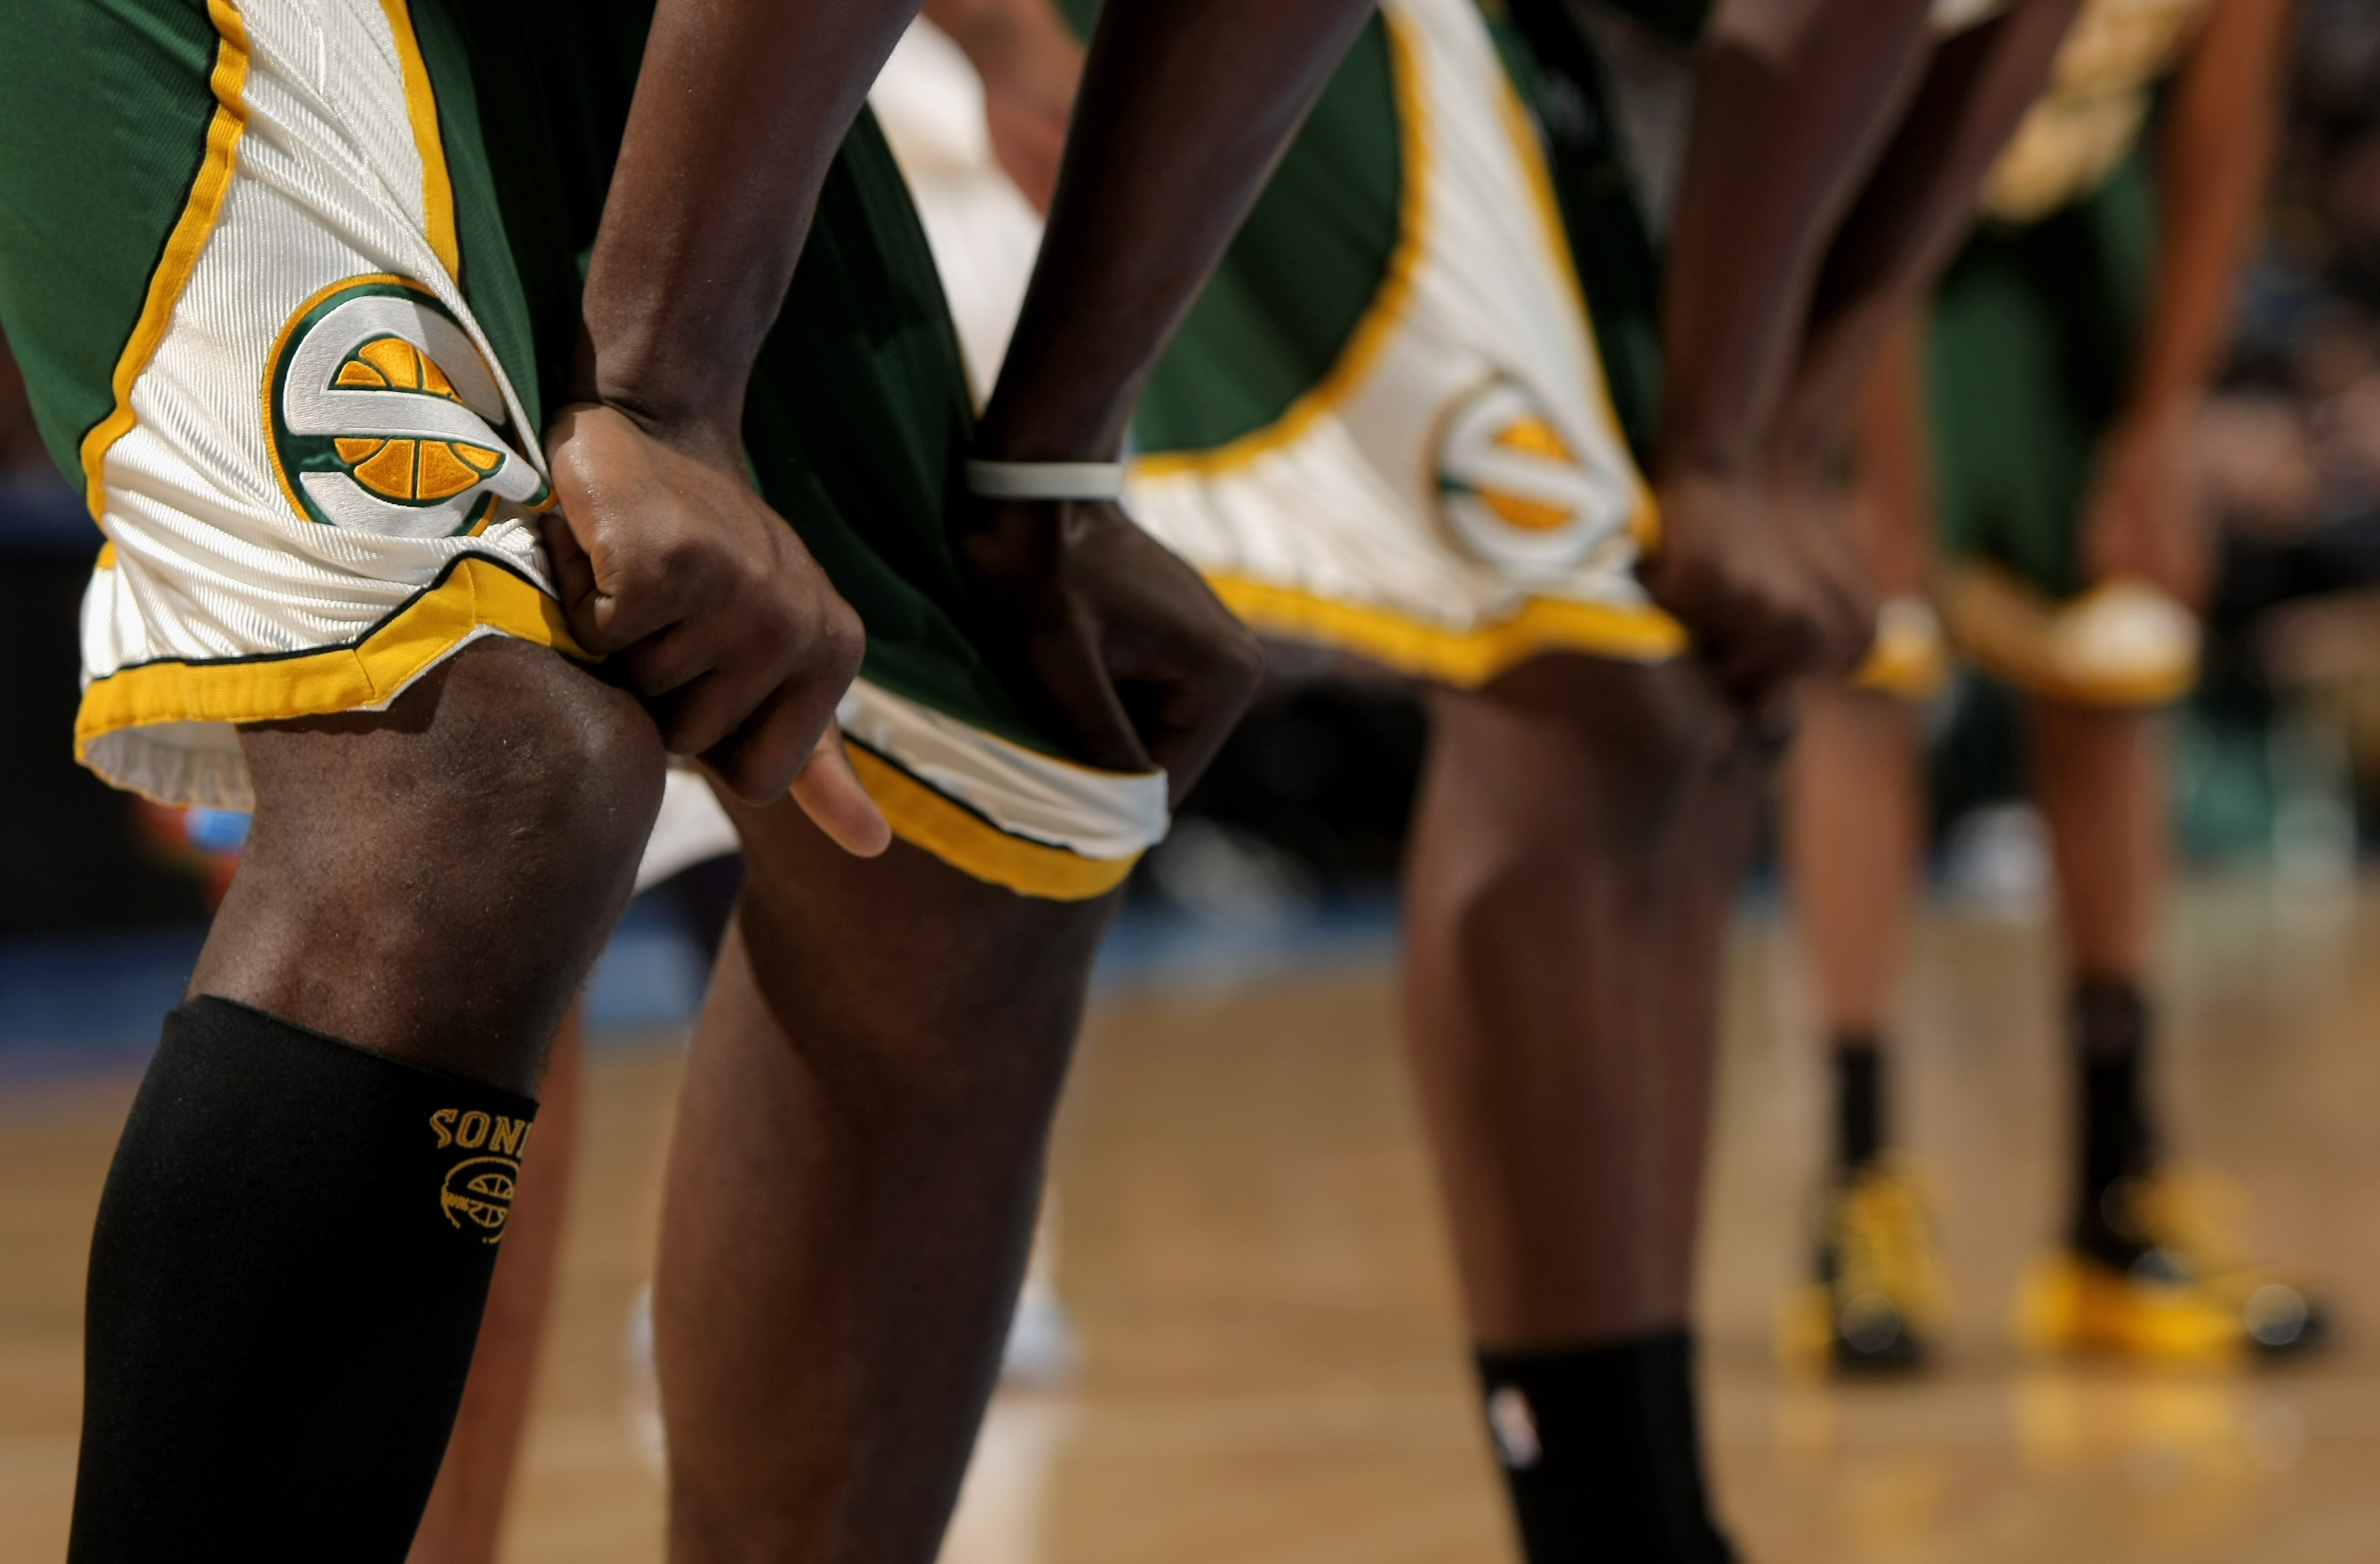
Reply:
x=1314, y=253
x=491, y=283
x=857, y=422
x=96, y=163
x=1559, y=77
x=1680, y=21
x=857, y=416
x=2030, y=352
x=1298, y=277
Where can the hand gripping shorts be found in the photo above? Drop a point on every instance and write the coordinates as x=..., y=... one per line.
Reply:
x=294, y=286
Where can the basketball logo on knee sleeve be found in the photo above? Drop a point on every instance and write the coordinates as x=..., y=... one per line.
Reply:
x=477, y=1195
x=384, y=415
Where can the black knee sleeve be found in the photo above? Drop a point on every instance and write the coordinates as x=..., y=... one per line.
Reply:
x=1600, y=1450
x=286, y=1277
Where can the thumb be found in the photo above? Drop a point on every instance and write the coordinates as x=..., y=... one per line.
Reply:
x=830, y=793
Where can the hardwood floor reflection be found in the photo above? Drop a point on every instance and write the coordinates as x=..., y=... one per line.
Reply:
x=1273, y=1369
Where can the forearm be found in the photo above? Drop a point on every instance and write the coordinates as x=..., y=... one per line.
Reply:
x=1185, y=106
x=1789, y=116
x=1895, y=453
x=739, y=110
x=1915, y=207
x=2213, y=160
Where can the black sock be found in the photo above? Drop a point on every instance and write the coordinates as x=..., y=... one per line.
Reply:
x=286, y=1277
x=1598, y=1446
x=1859, y=1101
x=2110, y=1026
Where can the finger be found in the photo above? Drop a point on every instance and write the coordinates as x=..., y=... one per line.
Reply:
x=638, y=602
x=574, y=579
x=1755, y=667
x=760, y=759
x=724, y=709
x=830, y=793
x=1186, y=706
x=668, y=660
x=1077, y=684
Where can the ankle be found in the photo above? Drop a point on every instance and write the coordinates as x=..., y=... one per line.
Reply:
x=1600, y=1450
x=1860, y=1131
x=2115, y=1143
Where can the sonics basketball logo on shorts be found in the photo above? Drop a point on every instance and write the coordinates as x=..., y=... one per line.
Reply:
x=1514, y=491
x=384, y=417
x=477, y=1195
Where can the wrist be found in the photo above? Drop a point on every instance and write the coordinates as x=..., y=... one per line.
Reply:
x=669, y=385
x=708, y=439
x=1028, y=428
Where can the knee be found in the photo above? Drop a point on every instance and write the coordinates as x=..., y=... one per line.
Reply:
x=434, y=880
x=1595, y=763
x=506, y=769
x=560, y=762
x=924, y=1003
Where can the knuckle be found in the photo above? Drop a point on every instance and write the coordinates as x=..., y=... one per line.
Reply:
x=840, y=642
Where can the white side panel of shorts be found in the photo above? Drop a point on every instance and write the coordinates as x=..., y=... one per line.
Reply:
x=1104, y=815
x=212, y=559
x=1351, y=509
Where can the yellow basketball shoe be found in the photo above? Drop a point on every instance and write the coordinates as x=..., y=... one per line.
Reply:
x=1879, y=1299
x=2186, y=1298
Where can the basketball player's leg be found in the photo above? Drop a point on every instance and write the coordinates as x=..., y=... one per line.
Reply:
x=1853, y=830
x=1581, y=829
x=870, y=1087
x=294, y=1246
x=1853, y=837
x=467, y=1508
x=433, y=882
x=2099, y=778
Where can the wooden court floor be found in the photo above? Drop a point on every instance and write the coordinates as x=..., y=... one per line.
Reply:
x=1273, y=1371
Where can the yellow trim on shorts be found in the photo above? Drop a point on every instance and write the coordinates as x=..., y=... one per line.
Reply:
x=1913, y=675
x=1389, y=306
x=422, y=108
x=1978, y=602
x=1464, y=659
x=182, y=245
x=475, y=594
x=1645, y=515
x=973, y=845
x=2142, y=693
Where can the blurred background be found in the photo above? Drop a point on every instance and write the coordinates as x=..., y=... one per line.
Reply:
x=1255, y=1352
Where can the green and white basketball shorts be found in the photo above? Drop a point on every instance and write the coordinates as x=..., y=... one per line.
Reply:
x=2032, y=346
x=1385, y=426
x=294, y=285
